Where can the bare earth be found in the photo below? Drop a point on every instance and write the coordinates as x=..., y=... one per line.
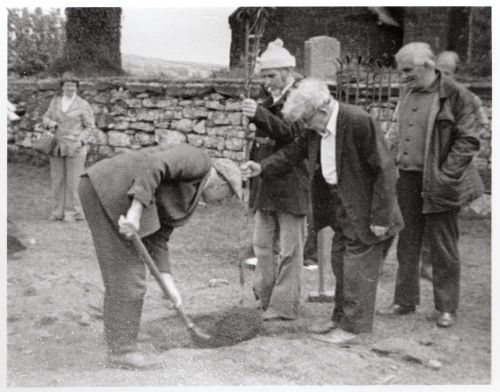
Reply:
x=54, y=321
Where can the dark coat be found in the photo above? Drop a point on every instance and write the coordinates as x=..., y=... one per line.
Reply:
x=289, y=193
x=365, y=170
x=450, y=178
x=167, y=180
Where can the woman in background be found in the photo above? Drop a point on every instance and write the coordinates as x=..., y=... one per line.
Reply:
x=72, y=120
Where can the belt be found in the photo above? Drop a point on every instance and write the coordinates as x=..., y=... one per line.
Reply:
x=265, y=140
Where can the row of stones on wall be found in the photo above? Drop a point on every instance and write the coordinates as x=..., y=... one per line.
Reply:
x=138, y=115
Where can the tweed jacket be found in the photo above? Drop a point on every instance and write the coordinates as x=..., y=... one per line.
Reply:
x=450, y=178
x=366, y=173
x=289, y=193
x=74, y=126
x=168, y=180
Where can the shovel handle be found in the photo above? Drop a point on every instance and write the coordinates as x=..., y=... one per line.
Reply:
x=141, y=248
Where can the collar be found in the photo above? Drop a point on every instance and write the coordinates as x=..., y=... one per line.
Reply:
x=331, y=126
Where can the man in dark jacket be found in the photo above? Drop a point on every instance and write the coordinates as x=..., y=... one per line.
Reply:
x=353, y=188
x=435, y=143
x=280, y=204
x=155, y=189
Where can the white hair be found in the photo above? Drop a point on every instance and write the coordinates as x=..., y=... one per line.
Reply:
x=307, y=98
x=420, y=53
x=447, y=62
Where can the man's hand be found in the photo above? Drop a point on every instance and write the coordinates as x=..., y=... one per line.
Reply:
x=250, y=169
x=379, y=230
x=249, y=107
x=133, y=219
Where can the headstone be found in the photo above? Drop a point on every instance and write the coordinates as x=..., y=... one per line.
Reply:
x=320, y=60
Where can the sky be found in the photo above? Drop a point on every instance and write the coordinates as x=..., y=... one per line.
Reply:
x=186, y=34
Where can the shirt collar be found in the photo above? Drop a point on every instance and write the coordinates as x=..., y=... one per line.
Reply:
x=331, y=126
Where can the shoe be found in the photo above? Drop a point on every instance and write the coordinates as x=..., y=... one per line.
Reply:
x=398, y=310
x=322, y=327
x=445, y=320
x=337, y=336
x=271, y=315
x=251, y=262
x=133, y=360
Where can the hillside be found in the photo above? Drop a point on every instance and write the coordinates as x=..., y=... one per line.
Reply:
x=141, y=66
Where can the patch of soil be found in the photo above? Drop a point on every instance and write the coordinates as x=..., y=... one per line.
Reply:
x=54, y=316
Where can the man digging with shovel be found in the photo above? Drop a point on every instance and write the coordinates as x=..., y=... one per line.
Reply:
x=143, y=194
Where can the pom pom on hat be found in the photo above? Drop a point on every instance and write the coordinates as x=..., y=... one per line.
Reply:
x=276, y=56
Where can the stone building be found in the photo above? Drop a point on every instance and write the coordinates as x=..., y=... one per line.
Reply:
x=376, y=31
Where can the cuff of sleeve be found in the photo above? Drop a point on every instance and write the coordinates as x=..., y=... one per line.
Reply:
x=139, y=193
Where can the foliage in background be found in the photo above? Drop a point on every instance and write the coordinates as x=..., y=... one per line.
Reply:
x=92, y=46
x=35, y=39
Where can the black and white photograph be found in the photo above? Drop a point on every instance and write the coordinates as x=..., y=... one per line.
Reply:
x=262, y=196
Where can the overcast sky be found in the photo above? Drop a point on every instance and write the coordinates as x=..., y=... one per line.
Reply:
x=186, y=34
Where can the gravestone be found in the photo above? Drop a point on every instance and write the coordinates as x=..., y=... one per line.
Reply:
x=320, y=57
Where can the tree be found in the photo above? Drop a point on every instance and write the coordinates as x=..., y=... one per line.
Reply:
x=92, y=46
x=35, y=38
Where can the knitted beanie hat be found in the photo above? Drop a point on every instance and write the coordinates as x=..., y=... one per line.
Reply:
x=276, y=56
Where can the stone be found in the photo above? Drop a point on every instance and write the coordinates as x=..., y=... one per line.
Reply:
x=199, y=127
x=138, y=87
x=133, y=103
x=220, y=118
x=216, y=97
x=479, y=208
x=196, y=140
x=105, y=151
x=184, y=125
x=234, y=144
x=148, y=115
x=119, y=125
x=102, y=98
x=232, y=106
x=100, y=137
x=166, y=136
x=156, y=103
x=195, y=113
x=234, y=118
x=320, y=57
x=217, y=282
x=118, y=139
x=120, y=94
x=103, y=120
x=143, y=139
x=214, y=105
x=406, y=350
x=142, y=126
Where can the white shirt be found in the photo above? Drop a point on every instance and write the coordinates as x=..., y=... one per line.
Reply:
x=66, y=102
x=327, y=149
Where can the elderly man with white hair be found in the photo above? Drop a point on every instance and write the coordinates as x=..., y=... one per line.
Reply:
x=353, y=186
x=435, y=143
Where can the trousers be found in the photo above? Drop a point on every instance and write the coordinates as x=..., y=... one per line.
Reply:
x=64, y=175
x=123, y=271
x=441, y=234
x=279, y=246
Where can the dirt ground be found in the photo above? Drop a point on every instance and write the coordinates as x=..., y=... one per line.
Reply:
x=54, y=320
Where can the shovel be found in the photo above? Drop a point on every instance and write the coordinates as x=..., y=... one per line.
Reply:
x=196, y=334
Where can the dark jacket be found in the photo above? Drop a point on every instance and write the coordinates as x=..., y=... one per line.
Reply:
x=365, y=170
x=450, y=177
x=289, y=193
x=167, y=180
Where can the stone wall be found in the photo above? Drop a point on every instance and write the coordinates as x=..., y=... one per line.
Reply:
x=132, y=115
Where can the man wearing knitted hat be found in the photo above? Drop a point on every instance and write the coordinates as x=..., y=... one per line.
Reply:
x=280, y=204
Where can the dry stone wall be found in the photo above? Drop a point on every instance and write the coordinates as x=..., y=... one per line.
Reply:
x=133, y=115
